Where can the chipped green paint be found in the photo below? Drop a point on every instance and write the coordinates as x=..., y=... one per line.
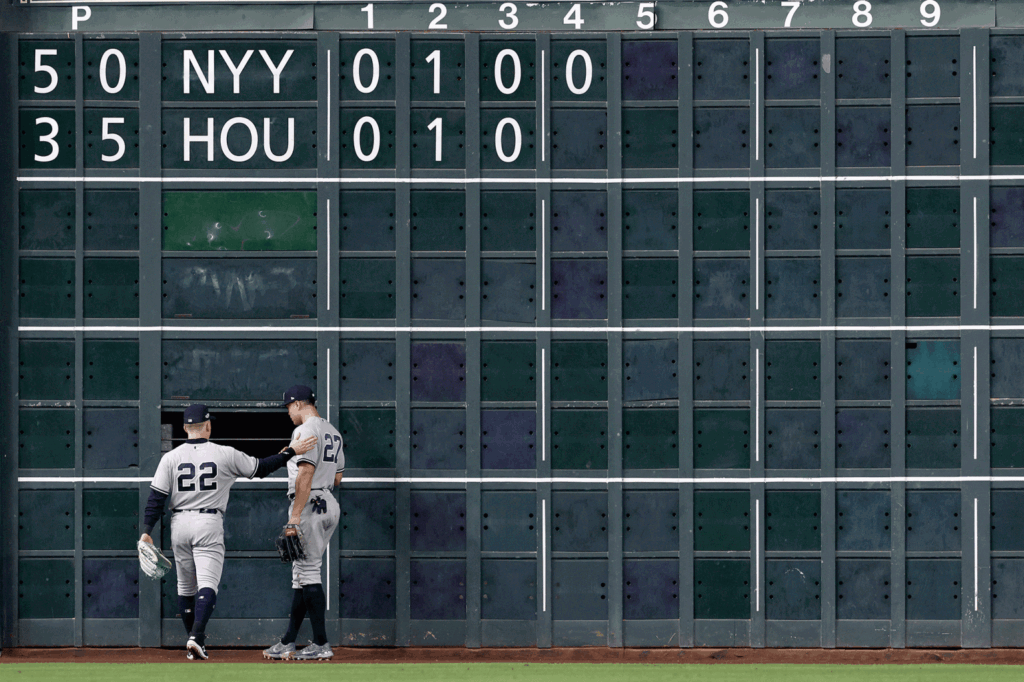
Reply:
x=239, y=221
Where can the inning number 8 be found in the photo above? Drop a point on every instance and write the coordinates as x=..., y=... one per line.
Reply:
x=862, y=13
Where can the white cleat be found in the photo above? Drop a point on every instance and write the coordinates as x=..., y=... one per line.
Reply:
x=314, y=652
x=195, y=650
x=279, y=652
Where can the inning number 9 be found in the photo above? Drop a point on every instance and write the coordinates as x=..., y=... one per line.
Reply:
x=931, y=12
x=862, y=14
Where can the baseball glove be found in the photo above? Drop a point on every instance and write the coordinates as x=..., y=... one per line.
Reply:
x=290, y=547
x=153, y=562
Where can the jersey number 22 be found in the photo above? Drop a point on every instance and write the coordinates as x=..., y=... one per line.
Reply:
x=187, y=475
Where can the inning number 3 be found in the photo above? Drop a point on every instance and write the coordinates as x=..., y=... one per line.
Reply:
x=331, y=448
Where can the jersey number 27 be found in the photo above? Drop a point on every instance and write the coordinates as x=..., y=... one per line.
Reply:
x=187, y=475
x=332, y=446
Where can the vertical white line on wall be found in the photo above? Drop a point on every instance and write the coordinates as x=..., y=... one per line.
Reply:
x=328, y=417
x=329, y=109
x=757, y=253
x=543, y=406
x=757, y=555
x=544, y=555
x=976, y=600
x=757, y=405
x=757, y=104
x=974, y=74
x=543, y=107
x=543, y=254
x=976, y=402
x=328, y=249
x=328, y=581
x=975, y=249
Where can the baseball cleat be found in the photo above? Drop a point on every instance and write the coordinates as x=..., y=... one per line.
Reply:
x=314, y=652
x=280, y=651
x=196, y=651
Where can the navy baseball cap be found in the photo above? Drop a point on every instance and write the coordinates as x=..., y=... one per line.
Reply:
x=197, y=414
x=298, y=392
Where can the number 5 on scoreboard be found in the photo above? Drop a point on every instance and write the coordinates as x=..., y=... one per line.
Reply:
x=793, y=7
x=646, y=18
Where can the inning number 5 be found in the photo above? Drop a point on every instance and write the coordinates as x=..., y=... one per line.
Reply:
x=645, y=16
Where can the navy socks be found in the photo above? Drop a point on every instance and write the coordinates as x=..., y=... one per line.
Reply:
x=298, y=614
x=316, y=607
x=187, y=606
x=205, y=601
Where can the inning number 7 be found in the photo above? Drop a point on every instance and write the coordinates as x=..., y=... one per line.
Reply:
x=792, y=10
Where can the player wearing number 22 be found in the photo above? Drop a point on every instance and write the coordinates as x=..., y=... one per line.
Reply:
x=313, y=516
x=197, y=477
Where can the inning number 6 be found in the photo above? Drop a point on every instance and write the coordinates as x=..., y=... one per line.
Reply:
x=717, y=16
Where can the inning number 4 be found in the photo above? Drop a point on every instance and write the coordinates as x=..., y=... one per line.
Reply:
x=574, y=17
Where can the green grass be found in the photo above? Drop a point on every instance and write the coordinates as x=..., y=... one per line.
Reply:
x=499, y=672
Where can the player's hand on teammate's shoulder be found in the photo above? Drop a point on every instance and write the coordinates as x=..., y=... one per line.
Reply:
x=303, y=446
x=146, y=538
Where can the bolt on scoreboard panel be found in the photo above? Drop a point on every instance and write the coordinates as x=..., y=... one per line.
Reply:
x=606, y=299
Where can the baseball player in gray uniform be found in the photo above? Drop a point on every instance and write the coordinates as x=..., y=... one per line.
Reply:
x=196, y=478
x=311, y=478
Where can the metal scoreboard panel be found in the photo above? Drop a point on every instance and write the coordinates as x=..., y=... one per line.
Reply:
x=121, y=15
x=553, y=269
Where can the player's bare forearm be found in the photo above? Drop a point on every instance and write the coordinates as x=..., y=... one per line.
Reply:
x=337, y=479
x=303, y=481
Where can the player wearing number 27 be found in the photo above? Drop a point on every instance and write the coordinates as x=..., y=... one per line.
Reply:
x=196, y=478
x=313, y=516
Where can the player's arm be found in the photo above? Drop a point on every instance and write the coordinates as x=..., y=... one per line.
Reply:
x=268, y=465
x=159, y=491
x=303, y=482
x=341, y=466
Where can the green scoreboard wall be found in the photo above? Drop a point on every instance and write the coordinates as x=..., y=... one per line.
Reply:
x=705, y=335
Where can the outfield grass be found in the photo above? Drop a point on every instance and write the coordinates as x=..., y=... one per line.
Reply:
x=499, y=672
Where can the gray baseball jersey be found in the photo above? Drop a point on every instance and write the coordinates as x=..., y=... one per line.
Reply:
x=199, y=475
x=328, y=456
x=321, y=514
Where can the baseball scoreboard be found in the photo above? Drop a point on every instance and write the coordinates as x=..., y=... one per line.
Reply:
x=607, y=301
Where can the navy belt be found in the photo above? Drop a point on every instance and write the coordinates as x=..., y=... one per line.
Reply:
x=291, y=496
x=197, y=511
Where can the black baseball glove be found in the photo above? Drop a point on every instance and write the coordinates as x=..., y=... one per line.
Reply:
x=289, y=544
